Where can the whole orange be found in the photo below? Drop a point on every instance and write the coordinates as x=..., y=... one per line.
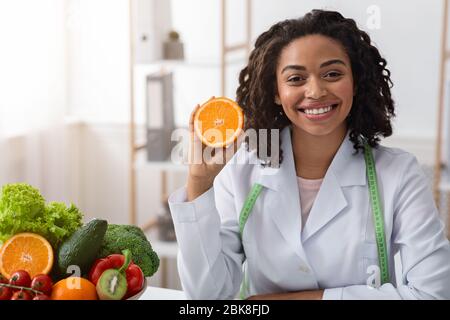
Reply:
x=74, y=288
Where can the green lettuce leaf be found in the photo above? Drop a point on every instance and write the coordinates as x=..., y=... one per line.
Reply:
x=23, y=209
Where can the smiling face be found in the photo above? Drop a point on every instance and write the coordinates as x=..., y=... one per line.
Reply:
x=315, y=85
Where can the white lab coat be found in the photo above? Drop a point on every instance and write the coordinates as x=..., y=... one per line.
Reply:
x=337, y=246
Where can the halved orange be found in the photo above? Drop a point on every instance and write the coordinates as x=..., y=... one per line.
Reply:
x=218, y=122
x=26, y=251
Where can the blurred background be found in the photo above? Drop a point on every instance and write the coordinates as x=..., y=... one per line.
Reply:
x=91, y=91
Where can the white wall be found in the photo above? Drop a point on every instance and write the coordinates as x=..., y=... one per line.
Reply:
x=98, y=55
x=151, y=25
x=98, y=51
x=32, y=65
x=409, y=38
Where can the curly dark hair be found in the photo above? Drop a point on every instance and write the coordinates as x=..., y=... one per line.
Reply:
x=373, y=107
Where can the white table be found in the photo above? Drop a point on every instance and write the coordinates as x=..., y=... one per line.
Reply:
x=155, y=293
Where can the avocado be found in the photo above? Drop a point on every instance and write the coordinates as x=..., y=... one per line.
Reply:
x=82, y=247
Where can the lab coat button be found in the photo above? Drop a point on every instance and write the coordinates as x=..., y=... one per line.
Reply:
x=304, y=269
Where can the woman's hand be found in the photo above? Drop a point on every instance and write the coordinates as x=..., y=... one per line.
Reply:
x=205, y=162
x=300, y=295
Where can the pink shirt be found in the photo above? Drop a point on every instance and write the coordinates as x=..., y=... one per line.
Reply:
x=308, y=189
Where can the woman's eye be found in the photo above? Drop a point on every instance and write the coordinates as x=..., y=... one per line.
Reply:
x=332, y=74
x=295, y=79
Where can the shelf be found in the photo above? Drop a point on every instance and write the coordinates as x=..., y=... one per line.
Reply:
x=170, y=64
x=142, y=162
x=162, y=165
x=193, y=70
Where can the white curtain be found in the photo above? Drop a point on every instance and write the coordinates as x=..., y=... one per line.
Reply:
x=32, y=65
x=33, y=97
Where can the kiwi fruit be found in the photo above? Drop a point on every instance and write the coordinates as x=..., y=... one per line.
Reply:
x=112, y=285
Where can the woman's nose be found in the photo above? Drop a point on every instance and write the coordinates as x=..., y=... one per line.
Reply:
x=315, y=89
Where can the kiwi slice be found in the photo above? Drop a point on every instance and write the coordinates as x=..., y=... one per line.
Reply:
x=112, y=285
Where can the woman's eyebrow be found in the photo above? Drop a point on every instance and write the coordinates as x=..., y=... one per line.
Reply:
x=302, y=68
x=333, y=61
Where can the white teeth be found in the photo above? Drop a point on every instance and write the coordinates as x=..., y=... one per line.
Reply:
x=318, y=111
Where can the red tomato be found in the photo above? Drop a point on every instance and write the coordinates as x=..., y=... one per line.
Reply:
x=21, y=295
x=20, y=278
x=41, y=297
x=5, y=293
x=3, y=279
x=42, y=283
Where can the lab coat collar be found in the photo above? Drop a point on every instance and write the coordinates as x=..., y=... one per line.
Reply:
x=345, y=170
x=348, y=168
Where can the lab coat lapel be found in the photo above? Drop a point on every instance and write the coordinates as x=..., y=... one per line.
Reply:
x=329, y=202
x=282, y=201
x=346, y=170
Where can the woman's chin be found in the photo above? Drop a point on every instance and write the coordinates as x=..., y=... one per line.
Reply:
x=318, y=130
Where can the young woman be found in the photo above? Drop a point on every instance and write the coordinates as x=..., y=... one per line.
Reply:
x=316, y=229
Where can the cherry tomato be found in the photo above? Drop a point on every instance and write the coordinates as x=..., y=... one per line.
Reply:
x=42, y=283
x=20, y=278
x=41, y=297
x=3, y=279
x=5, y=293
x=21, y=295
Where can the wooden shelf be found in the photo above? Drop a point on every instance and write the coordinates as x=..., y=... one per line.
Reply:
x=161, y=165
x=157, y=65
x=138, y=72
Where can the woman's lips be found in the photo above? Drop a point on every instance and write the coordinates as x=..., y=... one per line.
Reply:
x=319, y=117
